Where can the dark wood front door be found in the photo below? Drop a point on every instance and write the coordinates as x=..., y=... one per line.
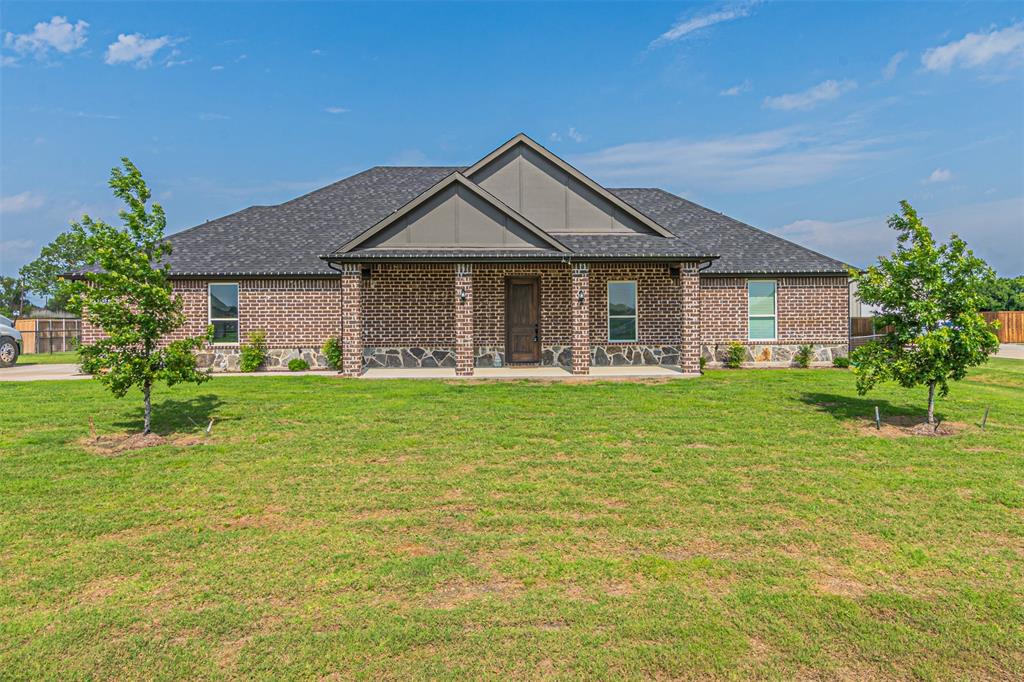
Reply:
x=522, y=319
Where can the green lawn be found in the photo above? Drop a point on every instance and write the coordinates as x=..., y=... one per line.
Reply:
x=733, y=526
x=48, y=358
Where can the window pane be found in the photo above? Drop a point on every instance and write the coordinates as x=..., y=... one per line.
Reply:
x=622, y=298
x=761, y=298
x=622, y=329
x=225, y=332
x=223, y=300
x=762, y=328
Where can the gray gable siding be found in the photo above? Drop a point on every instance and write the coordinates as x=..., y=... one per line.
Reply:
x=455, y=218
x=550, y=197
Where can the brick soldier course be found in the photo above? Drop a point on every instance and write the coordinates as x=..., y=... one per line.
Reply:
x=408, y=268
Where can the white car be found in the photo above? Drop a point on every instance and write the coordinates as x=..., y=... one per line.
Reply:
x=10, y=343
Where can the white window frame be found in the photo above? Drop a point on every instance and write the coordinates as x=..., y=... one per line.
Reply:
x=775, y=311
x=636, y=310
x=210, y=319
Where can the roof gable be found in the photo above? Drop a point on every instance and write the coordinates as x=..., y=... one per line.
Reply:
x=553, y=194
x=454, y=213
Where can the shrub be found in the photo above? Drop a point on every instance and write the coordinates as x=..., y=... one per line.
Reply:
x=254, y=353
x=841, y=361
x=332, y=351
x=298, y=365
x=735, y=355
x=703, y=362
x=803, y=356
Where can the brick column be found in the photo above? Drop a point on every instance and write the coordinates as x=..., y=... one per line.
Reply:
x=580, y=319
x=689, y=347
x=464, y=351
x=351, y=320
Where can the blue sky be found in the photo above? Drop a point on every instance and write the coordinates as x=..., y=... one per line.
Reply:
x=811, y=120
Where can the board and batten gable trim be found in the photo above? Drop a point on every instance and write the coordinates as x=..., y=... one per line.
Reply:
x=573, y=172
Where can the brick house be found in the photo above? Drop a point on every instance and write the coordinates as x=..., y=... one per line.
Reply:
x=519, y=258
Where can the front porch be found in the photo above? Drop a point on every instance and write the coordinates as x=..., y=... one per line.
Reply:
x=501, y=319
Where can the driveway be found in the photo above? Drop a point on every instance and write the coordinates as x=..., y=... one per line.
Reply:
x=1014, y=351
x=40, y=372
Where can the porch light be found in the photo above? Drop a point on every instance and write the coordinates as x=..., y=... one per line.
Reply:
x=462, y=295
x=580, y=296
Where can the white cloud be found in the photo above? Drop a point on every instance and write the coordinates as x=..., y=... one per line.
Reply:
x=173, y=60
x=975, y=49
x=317, y=51
x=135, y=49
x=21, y=203
x=684, y=27
x=987, y=228
x=555, y=137
x=56, y=34
x=773, y=159
x=575, y=135
x=940, y=175
x=736, y=89
x=336, y=110
x=218, y=67
x=890, y=68
x=822, y=92
x=210, y=116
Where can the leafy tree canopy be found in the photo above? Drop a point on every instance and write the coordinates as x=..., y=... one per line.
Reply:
x=129, y=297
x=1003, y=293
x=929, y=294
x=66, y=253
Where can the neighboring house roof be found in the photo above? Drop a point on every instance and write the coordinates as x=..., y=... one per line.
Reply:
x=294, y=238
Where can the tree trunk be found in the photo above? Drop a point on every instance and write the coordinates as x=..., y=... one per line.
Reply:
x=931, y=402
x=148, y=412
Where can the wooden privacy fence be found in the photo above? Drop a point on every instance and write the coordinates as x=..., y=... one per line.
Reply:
x=1011, y=325
x=48, y=336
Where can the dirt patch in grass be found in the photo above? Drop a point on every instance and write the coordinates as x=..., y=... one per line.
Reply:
x=901, y=426
x=453, y=595
x=99, y=589
x=116, y=443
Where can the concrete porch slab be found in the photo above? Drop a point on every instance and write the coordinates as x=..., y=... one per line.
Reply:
x=546, y=373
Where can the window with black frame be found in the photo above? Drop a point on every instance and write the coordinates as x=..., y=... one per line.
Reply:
x=224, y=312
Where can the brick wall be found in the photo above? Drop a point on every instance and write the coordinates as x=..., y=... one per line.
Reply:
x=409, y=305
x=413, y=305
x=295, y=313
x=810, y=309
x=659, y=301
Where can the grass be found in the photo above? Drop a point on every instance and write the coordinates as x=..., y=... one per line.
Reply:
x=738, y=525
x=70, y=357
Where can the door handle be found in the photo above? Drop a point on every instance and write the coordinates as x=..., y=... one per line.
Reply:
x=536, y=332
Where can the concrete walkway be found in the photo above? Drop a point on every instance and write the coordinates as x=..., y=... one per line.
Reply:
x=1014, y=351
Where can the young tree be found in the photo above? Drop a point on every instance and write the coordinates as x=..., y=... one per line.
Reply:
x=126, y=293
x=66, y=253
x=929, y=295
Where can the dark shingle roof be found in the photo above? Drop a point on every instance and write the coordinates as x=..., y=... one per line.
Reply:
x=288, y=239
x=741, y=249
